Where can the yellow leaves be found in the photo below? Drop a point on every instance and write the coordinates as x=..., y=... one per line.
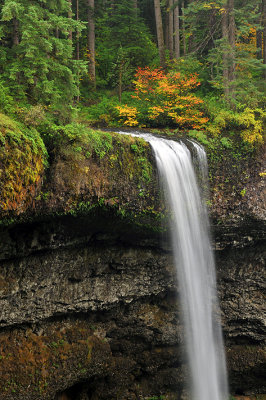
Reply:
x=128, y=115
x=249, y=123
x=253, y=133
x=222, y=10
x=155, y=111
x=209, y=5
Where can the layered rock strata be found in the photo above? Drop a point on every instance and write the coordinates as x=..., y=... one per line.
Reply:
x=93, y=314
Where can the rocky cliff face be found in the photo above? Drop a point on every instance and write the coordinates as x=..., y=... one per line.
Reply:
x=89, y=308
x=93, y=314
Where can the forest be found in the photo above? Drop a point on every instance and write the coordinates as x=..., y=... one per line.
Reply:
x=189, y=66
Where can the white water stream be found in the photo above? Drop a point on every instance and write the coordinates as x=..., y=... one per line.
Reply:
x=194, y=264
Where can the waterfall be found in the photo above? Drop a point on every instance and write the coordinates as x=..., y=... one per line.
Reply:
x=194, y=263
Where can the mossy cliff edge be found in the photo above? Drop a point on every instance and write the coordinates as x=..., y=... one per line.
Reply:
x=88, y=303
x=88, y=170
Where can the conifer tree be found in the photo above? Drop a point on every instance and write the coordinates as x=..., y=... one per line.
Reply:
x=39, y=66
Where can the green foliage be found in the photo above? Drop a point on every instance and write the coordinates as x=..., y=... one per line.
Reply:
x=102, y=112
x=38, y=65
x=6, y=101
x=119, y=29
x=200, y=137
x=75, y=138
x=208, y=46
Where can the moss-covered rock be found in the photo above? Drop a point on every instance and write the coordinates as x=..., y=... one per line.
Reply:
x=38, y=363
x=22, y=163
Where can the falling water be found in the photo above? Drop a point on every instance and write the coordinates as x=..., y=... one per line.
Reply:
x=195, y=265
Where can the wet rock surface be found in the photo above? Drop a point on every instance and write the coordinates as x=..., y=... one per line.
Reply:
x=89, y=313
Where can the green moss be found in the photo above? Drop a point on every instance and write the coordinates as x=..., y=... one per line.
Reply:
x=23, y=158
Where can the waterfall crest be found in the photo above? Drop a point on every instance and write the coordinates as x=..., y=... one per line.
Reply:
x=194, y=264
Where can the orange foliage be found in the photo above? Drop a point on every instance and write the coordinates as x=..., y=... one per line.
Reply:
x=166, y=99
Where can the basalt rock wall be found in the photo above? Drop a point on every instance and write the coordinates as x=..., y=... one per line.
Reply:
x=88, y=313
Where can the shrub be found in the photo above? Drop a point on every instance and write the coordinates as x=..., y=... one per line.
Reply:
x=128, y=115
x=248, y=124
x=103, y=112
x=166, y=99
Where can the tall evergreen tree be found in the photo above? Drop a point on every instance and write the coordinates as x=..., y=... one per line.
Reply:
x=39, y=64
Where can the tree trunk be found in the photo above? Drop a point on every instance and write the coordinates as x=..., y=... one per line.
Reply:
x=191, y=37
x=176, y=33
x=184, y=29
x=70, y=35
x=77, y=36
x=120, y=80
x=211, y=24
x=171, y=29
x=15, y=32
x=16, y=40
x=135, y=5
x=225, y=53
x=91, y=41
x=232, y=43
x=166, y=31
x=77, y=44
x=228, y=32
x=264, y=34
x=159, y=28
